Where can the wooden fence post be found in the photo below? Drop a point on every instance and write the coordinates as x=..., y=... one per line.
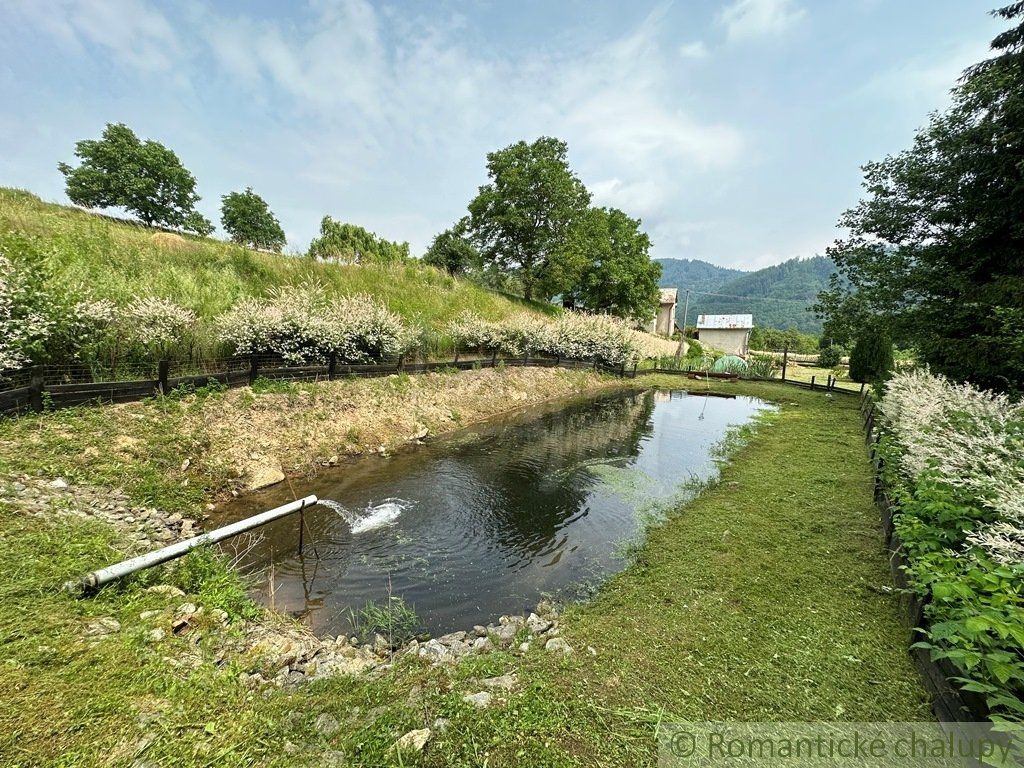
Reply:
x=163, y=369
x=622, y=373
x=456, y=355
x=332, y=366
x=785, y=360
x=595, y=362
x=401, y=363
x=494, y=359
x=254, y=368
x=812, y=382
x=634, y=369
x=35, y=387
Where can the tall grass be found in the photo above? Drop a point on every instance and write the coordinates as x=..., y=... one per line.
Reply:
x=105, y=258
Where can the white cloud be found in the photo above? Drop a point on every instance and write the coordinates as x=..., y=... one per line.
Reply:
x=694, y=50
x=131, y=31
x=375, y=113
x=748, y=19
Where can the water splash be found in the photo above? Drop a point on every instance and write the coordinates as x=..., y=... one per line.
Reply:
x=373, y=517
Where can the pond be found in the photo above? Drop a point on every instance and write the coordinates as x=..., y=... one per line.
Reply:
x=487, y=521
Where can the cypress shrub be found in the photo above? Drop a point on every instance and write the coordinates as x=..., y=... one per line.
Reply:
x=871, y=359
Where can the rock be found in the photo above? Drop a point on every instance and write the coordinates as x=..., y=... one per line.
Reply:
x=504, y=682
x=59, y=484
x=187, y=609
x=537, y=625
x=165, y=589
x=547, y=608
x=452, y=638
x=558, y=644
x=147, y=615
x=381, y=646
x=524, y=647
x=261, y=473
x=481, y=700
x=219, y=615
x=413, y=741
x=327, y=724
x=440, y=724
x=506, y=634
x=155, y=635
x=483, y=645
x=435, y=652
x=480, y=631
x=103, y=626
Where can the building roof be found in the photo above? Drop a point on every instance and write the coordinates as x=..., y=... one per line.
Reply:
x=668, y=295
x=725, y=321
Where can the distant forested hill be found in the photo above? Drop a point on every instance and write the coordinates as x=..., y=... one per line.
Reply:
x=777, y=297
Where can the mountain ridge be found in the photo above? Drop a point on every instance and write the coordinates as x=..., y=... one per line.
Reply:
x=779, y=296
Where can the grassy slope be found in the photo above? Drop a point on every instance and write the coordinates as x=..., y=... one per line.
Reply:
x=762, y=599
x=120, y=261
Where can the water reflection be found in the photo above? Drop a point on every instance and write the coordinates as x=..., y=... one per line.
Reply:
x=485, y=522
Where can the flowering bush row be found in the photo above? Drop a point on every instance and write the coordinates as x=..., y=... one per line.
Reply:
x=954, y=464
x=572, y=335
x=302, y=324
x=971, y=439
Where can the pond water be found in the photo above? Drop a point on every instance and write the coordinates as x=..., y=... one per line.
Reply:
x=487, y=521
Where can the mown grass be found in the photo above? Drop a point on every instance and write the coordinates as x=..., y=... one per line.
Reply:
x=765, y=598
x=119, y=261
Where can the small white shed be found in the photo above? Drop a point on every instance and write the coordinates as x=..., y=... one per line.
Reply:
x=728, y=333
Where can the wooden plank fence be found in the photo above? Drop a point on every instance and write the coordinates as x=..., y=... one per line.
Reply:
x=44, y=388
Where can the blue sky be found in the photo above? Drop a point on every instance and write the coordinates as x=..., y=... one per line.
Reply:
x=735, y=129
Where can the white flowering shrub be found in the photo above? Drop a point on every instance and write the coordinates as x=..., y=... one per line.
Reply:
x=470, y=331
x=155, y=323
x=24, y=326
x=579, y=336
x=302, y=325
x=972, y=439
x=570, y=336
x=362, y=330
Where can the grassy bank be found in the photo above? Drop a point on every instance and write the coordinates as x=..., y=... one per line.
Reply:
x=765, y=598
x=119, y=261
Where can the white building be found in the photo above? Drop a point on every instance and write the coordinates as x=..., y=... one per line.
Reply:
x=664, y=322
x=727, y=333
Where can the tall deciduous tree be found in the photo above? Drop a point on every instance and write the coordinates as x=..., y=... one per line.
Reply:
x=452, y=251
x=351, y=244
x=610, y=254
x=521, y=219
x=248, y=220
x=936, y=249
x=145, y=178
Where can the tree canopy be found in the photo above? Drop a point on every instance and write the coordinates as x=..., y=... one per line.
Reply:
x=351, y=244
x=145, y=178
x=521, y=219
x=247, y=218
x=608, y=265
x=936, y=248
x=452, y=251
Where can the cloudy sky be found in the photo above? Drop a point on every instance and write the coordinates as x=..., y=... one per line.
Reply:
x=735, y=128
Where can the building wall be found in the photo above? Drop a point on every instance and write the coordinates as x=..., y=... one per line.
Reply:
x=732, y=341
x=664, y=324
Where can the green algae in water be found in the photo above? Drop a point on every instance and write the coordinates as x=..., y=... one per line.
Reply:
x=630, y=484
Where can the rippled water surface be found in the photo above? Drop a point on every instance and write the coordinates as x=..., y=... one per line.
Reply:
x=487, y=521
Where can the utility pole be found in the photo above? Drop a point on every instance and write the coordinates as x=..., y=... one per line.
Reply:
x=682, y=331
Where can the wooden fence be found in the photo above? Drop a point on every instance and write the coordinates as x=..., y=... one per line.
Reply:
x=51, y=387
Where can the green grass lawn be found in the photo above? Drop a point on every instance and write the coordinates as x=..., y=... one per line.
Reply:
x=766, y=598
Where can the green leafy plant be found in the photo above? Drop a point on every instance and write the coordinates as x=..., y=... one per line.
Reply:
x=392, y=618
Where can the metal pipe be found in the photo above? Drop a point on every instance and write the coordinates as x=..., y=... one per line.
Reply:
x=97, y=579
